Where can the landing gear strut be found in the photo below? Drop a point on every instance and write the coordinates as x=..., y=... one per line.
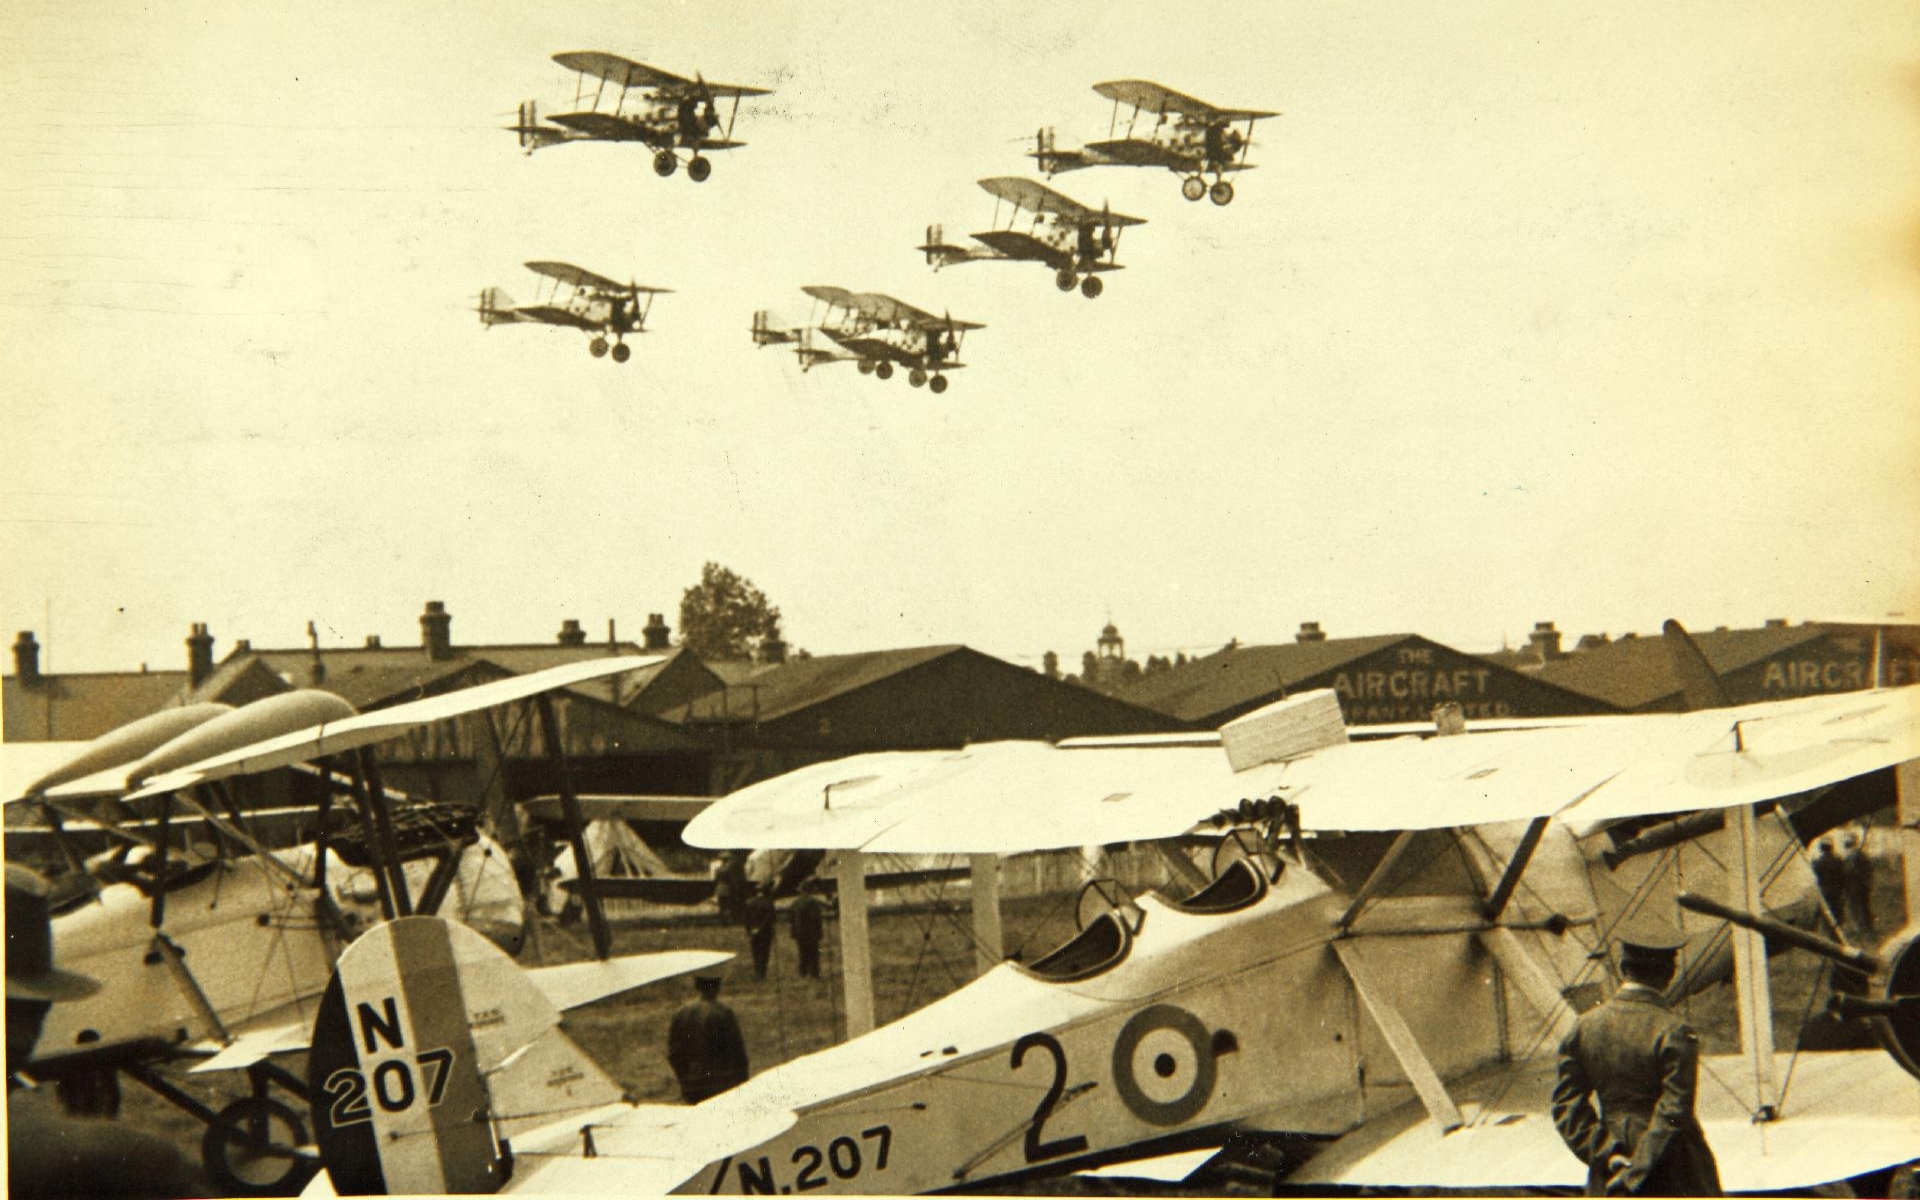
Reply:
x=664, y=163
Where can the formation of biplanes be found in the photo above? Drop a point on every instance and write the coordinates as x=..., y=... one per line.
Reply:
x=679, y=119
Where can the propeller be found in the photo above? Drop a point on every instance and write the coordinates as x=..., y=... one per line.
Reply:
x=1106, y=227
x=953, y=336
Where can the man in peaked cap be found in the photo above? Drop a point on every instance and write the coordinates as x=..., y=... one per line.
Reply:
x=1623, y=1101
x=704, y=1045
x=48, y=1152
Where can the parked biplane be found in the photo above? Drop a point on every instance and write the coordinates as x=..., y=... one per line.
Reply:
x=874, y=332
x=1393, y=937
x=1076, y=241
x=1200, y=140
x=216, y=955
x=673, y=114
x=593, y=304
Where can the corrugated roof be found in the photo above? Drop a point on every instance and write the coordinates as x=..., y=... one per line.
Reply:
x=82, y=706
x=773, y=691
x=1228, y=678
x=1633, y=672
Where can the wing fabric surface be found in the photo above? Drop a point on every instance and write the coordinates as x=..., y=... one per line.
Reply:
x=629, y=74
x=367, y=728
x=1009, y=797
x=1152, y=97
x=574, y=276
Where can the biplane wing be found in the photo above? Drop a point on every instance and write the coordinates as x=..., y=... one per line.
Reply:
x=1152, y=97
x=626, y=73
x=127, y=744
x=579, y=277
x=554, y=314
x=365, y=729
x=837, y=297
x=1023, y=247
x=604, y=127
x=1039, y=198
x=982, y=799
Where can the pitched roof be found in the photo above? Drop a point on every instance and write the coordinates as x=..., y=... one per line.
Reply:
x=771, y=691
x=81, y=706
x=1633, y=672
x=1228, y=678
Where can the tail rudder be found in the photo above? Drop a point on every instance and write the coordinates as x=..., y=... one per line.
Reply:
x=495, y=307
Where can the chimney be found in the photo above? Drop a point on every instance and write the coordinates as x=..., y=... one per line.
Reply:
x=1310, y=632
x=199, y=655
x=1592, y=641
x=245, y=646
x=773, y=651
x=26, y=657
x=658, y=635
x=436, y=631
x=1776, y=623
x=1050, y=663
x=1545, y=641
x=571, y=634
x=373, y=641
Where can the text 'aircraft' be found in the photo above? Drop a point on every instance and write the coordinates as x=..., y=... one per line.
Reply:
x=673, y=114
x=1199, y=140
x=1076, y=241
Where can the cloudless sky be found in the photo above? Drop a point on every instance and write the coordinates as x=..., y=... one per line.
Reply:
x=1598, y=314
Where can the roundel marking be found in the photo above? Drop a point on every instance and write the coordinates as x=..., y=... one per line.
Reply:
x=1163, y=1065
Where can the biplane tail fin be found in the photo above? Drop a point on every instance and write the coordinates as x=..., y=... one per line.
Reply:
x=767, y=333
x=1700, y=686
x=432, y=1049
x=939, y=253
x=495, y=308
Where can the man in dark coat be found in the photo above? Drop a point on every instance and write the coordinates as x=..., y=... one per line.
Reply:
x=758, y=916
x=1623, y=1101
x=704, y=1045
x=807, y=922
x=1830, y=873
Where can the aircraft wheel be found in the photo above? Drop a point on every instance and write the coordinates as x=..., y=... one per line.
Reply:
x=252, y=1148
x=664, y=163
x=866, y=366
x=1193, y=187
x=1091, y=286
x=1063, y=279
x=597, y=347
x=937, y=384
x=883, y=370
x=622, y=352
x=1221, y=192
x=90, y=1094
x=917, y=377
x=699, y=169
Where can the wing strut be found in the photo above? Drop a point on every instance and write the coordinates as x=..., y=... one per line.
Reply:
x=1751, y=984
x=855, y=948
x=1406, y=1048
x=1377, y=881
x=988, y=943
x=576, y=830
x=1510, y=878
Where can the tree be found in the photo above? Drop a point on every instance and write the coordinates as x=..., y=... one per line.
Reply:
x=724, y=615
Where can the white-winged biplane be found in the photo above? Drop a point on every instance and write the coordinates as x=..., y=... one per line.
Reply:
x=1393, y=939
x=672, y=114
x=592, y=303
x=217, y=955
x=1199, y=140
x=1076, y=241
x=874, y=332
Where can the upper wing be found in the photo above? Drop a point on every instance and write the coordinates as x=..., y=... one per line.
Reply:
x=1006, y=797
x=885, y=308
x=127, y=744
x=1152, y=97
x=574, y=276
x=630, y=74
x=368, y=728
x=1039, y=198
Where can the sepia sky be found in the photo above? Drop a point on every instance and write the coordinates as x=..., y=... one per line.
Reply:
x=1592, y=314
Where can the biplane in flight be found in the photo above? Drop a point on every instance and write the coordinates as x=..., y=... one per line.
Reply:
x=673, y=114
x=215, y=956
x=1391, y=941
x=591, y=303
x=1076, y=241
x=1199, y=139
x=874, y=332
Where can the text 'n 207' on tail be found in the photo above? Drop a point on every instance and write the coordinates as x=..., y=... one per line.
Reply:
x=430, y=1048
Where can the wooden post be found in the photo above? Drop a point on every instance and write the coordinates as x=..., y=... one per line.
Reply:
x=1906, y=784
x=856, y=951
x=1751, y=983
x=989, y=946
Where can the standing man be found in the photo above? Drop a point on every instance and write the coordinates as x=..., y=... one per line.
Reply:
x=704, y=1045
x=48, y=1152
x=806, y=919
x=758, y=916
x=1830, y=874
x=1623, y=1101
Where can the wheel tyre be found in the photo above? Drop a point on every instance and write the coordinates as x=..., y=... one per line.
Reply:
x=917, y=377
x=699, y=169
x=1063, y=279
x=884, y=370
x=1221, y=192
x=1091, y=286
x=866, y=366
x=597, y=347
x=664, y=163
x=937, y=384
x=244, y=1166
x=622, y=352
x=1193, y=187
